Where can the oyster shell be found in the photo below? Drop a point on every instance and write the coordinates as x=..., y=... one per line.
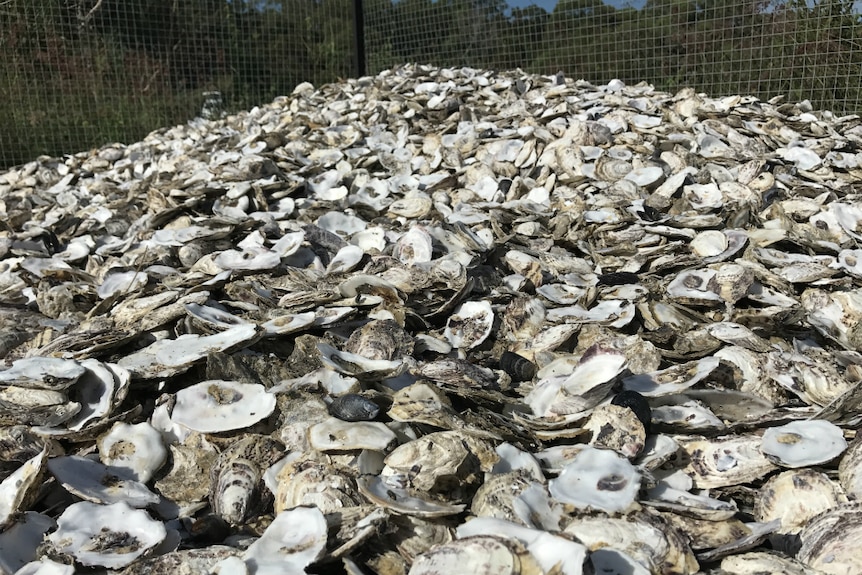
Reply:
x=216, y=405
x=480, y=554
x=499, y=276
x=824, y=549
x=111, y=536
x=597, y=479
x=802, y=443
x=237, y=486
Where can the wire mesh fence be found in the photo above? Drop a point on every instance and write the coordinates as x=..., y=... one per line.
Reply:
x=80, y=73
x=804, y=49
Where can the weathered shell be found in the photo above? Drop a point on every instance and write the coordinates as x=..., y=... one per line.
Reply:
x=470, y=325
x=111, y=535
x=724, y=461
x=122, y=282
x=830, y=541
x=850, y=469
x=380, y=339
x=517, y=366
x=187, y=480
x=42, y=373
x=353, y=407
x=638, y=405
x=356, y=365
x=496, y=496
x=763, y=562
x=794, y=497
x=580, y=389
x=99, y=483
x=309, y=482
x=646, y=538
x=523, y=318
x=17, y=490
x=440, y=462
x=481, y=554
x=550, y=551
x=618, y=428
x=168, y=357
x=705, y=534
x=237, y=476
x=388, y=493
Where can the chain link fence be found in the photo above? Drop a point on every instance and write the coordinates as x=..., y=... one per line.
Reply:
x=81, y=73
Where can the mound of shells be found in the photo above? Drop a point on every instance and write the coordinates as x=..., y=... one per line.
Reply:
x=439, y=320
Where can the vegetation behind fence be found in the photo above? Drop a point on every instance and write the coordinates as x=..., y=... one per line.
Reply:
x=77, y=74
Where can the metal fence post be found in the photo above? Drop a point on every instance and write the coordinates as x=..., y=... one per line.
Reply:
x=358, y=38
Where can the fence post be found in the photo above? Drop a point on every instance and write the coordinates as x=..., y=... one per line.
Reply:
x=358, y=38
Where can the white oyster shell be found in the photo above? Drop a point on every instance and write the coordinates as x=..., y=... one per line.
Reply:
x=294, y=539
x=42, y=373
x=93, y=481
x=803, y=443
x=15, y=490
x=122, y=282
x=216, y=405
x=110, y=536
x=385, y=491
x=102, y=387
x=168, y=357
x=46, y=567
x=360, y=367
x=579, y=389
x=336, y=435
x=136, y=448
x=598, y=479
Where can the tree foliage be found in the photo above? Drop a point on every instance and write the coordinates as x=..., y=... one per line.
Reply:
x=78, y=73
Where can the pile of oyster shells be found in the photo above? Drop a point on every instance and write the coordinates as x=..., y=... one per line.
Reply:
x=439, y=320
